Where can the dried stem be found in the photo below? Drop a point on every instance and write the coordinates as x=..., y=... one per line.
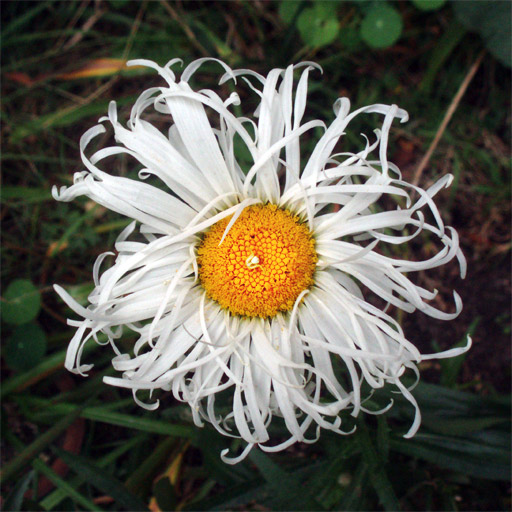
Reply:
x=447, y=117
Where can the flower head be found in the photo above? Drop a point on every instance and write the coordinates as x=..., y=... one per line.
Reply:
x=249, y=279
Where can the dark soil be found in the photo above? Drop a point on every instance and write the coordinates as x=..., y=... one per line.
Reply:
x=486, y=296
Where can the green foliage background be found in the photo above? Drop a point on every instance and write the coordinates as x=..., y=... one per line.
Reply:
x=74, y=444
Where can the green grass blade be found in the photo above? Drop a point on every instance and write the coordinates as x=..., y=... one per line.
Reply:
x=45, y=368
x=354, y=491
x=43, y=159
x=20, y=21
x=233, y=496
x=376, y=471
x=450, y=411
x=323, y=483
x=469, y=457
x=31, y=451
x=383, y=437
x=138, y=423
x=71, y=230
x=53, y=499
x=114, y=418
x=64, y=487
x=25, y=194
x=270, y=471
x=443, y=49
x=15, y=498
x=63, y=117
x=101, y=480
x=450, y=368
x=146, y=471
x=285, y=487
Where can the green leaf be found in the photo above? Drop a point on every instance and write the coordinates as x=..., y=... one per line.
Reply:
x=15, y=498
x=21, y=302
x=81, y=292
x=288, y=9
x=50, y=363
x=318, y=25
x=450, y=368
x=64, y=486
x=233, y=496
x=17, y=23
x=53, y=499
x=31, y=451
x=324, y=484
x=63, y=117
x=449, y=411
x=376, y=471
x=211, y=444
x=382, y=26
x=492, y=20
x=114, y=418
x=355, y=490
x=43, y=369
x=442, y=50
x=25, y=347
x=25, y=194
x=102, y=480
x=471, y=455
x=286, y=488
x=428, y=5
x=451, y=404
x=165, y=494
x=138, y=423
x=461, y=426
x=71, y=230
x=383, y=436
x=139, y=481
x=222, y=49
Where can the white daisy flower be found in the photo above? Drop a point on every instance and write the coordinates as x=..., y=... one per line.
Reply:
x=249, y=281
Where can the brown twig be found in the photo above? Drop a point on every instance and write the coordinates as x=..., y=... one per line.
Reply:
x=85, y=28
x=72, y=23
x=134, y=29
x=98, y=92
x=188, y=31
x=447, y=117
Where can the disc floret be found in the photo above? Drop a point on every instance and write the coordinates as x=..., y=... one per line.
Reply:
x=263, y=264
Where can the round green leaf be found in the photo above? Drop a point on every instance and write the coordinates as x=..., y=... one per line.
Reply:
x=428, y=5
x=492, y=21
x=25, y=347
x=21, y=302
x=287, y=10
x=318, y=26
x=382, y=26
x=325, y=9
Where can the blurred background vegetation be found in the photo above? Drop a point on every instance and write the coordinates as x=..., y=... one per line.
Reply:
x=74, y=444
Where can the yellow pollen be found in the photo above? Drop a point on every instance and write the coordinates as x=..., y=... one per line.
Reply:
x=265, y=261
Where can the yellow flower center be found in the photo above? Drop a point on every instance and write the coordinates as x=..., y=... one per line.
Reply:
x=265, y=261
